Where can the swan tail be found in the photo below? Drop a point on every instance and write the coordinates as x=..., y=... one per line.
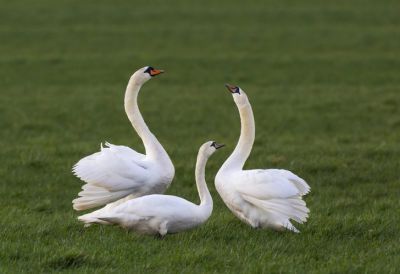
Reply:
x=281, y=210
x=93, y=218
x=124, y=220
x=92, y=196
x=111, y=219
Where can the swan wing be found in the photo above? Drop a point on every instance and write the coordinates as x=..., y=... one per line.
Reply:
x=298, y=182
x=111, y=174
x=276, y=192
x=157, y=205
x=126, y=152
x=264, y=184
x=271, y=183
x=146, y=213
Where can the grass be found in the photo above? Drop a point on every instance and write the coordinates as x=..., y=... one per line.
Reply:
x=323, y=79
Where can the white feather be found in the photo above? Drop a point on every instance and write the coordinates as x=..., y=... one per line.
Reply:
x=159, y=214
x=266, y=198
x=116, y=172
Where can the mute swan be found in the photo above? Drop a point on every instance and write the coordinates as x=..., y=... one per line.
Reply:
x=262, y=198
x=162, y=214
x=119, y=171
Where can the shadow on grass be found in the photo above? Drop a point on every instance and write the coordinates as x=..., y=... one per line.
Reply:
x=71, y=261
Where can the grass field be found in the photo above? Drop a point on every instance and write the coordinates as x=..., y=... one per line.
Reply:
x=324, y=81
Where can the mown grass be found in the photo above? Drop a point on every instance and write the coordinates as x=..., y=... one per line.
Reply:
x=323, y=79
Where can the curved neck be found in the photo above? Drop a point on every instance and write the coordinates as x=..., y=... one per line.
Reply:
x=246, y=140
x=204, y=193
x=152, y=146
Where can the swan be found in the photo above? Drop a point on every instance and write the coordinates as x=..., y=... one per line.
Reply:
x=119, y=172
x=161, y=214
x=262, y=198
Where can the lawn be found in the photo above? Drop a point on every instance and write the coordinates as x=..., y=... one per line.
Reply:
x=324, y=81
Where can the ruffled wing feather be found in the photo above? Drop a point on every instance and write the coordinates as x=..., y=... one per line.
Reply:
x=111, y=174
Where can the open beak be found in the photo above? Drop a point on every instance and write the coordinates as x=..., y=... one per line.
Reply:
x=217, y=146
x=155, y=72
x=232, y=88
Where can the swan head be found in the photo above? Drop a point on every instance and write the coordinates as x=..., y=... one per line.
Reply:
x=144, y=74
x=210, y=147
x=239, y=96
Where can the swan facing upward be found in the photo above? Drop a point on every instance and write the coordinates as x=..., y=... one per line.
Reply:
x=162, y=214
x=262, y=198
x=118, y=171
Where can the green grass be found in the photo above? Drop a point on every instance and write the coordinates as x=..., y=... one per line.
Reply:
x=324, y=81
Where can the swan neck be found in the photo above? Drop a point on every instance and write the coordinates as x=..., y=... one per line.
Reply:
x=204, y=193
x=152, y=146
x=247, y=133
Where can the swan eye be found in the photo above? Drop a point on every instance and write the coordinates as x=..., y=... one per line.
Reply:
x=232, y=89
x=148, y=70
x=217, y=146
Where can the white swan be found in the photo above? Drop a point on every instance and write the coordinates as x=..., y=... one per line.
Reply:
x=118, y=171
x=161, y=214
x=262, y=198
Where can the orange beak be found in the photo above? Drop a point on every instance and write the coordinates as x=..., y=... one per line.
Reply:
x=155, y=72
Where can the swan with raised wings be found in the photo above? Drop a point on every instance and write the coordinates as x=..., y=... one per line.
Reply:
x=161, y=214
x=262, y=198
x=118, y=172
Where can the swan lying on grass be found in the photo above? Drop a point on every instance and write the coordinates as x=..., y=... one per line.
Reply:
x=262, y=198
x=118, y=171
x=161, y=214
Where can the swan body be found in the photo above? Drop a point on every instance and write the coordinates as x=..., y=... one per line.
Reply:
x=161, y=214
x=262, y=198
x=120, y=173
